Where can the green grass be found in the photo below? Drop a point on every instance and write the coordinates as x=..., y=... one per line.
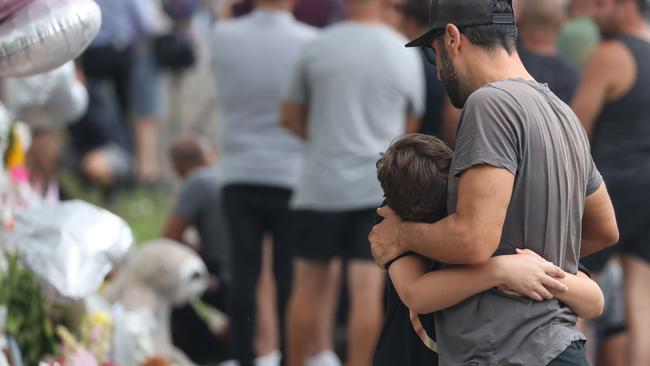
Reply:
x=145, y=209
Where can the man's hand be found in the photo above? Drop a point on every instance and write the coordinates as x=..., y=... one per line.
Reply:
x=527, y=274
x=385, y=237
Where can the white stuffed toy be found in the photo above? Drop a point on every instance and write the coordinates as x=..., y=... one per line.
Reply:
x=156, y=277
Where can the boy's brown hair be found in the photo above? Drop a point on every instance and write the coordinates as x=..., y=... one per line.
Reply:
x=413, y=174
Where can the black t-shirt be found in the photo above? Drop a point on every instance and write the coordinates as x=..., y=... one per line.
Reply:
x=560, y=74
x=398, y=343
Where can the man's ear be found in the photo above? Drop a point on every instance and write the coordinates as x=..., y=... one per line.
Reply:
x=452, y=39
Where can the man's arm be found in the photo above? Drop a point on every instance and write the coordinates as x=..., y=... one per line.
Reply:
x=608, y=75
x=294, y=118
x=175, y=228
x=413, y=123
x=599, y=226
x=470, y=236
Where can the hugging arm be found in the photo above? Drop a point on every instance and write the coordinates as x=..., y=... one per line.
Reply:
x=294, y=118
x=524, y=274
x=583, y=296
x=470, y=236
x=425, y=292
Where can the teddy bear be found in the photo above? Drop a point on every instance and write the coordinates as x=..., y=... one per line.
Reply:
x=156, y=277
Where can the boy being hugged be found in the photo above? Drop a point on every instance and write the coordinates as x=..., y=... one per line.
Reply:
x=413, y=174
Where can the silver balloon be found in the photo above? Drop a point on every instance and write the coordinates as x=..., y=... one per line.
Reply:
x=46, y=34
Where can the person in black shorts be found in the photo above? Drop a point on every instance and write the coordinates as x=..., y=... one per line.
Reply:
x=613, y=104
x=413, y=174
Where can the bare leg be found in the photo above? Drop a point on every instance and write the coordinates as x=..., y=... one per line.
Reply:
x=637, y=305
x=613, y=351
x=366, y=283
x=305, y=307
x=146, y=134
x=322, y=350
x=98, y=168
x=266, y=337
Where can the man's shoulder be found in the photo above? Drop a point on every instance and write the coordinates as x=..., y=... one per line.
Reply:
x=336, y=30
x=227, y=25
x=305, y=30
x=498, y=92
x=610, y=53
x=325, y=40
x=497, y=104
x=206, y=178
x=227, y=29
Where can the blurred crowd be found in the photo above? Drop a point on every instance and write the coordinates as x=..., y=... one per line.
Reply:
x=283, y=197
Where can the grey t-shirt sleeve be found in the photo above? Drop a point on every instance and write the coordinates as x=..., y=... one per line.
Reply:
x=191, y=200
x=595, y=179
x=489, y=132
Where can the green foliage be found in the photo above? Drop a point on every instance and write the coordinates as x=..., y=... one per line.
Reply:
x=27, y=320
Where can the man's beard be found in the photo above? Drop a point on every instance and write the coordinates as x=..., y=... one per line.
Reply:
x=450, y=80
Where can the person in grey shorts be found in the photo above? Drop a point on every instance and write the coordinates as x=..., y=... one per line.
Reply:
x=522, y=178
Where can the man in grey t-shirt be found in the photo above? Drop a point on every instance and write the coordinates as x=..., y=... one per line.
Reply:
x=253, y=61
x=522, y=177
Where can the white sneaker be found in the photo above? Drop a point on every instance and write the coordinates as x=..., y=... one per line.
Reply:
x=325, y=358
x=229, y=363
x=272, y=359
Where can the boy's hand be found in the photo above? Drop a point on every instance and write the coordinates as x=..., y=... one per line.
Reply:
x=384, y=237
x=529, y=275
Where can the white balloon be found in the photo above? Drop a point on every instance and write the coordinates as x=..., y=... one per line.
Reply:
x=45, y=34
x=49, y=101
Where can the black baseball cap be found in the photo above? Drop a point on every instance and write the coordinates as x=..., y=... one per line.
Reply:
x=461, y=13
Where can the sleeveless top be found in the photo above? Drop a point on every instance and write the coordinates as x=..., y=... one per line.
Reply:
x=621, y=143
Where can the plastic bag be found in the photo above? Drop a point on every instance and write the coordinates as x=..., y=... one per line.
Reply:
x=71, y=246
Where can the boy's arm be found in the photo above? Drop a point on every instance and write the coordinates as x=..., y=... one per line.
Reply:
x=425, y=292
x=175, y=228
x=294, y=118
x=583, y=295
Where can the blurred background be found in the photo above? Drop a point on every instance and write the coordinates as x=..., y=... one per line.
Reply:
x=158, y=114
